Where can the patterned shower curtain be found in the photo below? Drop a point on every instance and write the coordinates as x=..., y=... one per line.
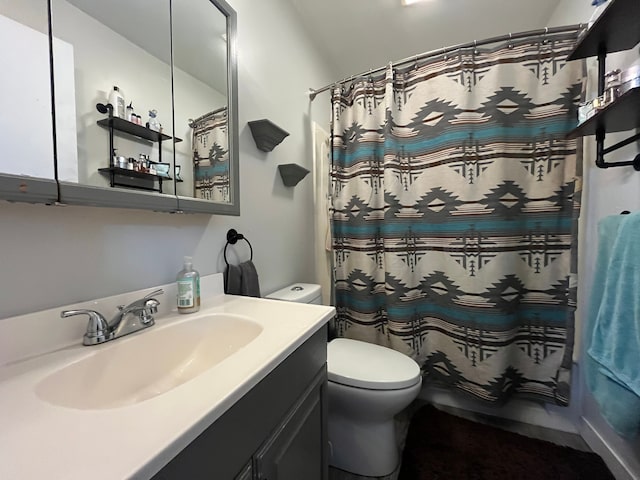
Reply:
x=455, y=205
x=211, y=157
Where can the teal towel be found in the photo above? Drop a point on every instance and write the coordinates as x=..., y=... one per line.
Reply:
x=614, y=322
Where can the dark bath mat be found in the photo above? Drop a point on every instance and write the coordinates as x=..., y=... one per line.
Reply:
x=441, y=446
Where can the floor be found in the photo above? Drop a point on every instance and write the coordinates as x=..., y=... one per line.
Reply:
x=404, y=418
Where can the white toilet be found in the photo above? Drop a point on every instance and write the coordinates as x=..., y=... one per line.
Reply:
x=368, y=386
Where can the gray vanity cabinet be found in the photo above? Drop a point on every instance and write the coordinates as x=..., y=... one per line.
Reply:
x=277, y=431
x=295, y=450
x=247, y=472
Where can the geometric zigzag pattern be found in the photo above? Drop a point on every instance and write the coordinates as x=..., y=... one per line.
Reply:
x=455, y=198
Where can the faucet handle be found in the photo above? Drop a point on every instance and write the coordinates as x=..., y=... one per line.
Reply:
x=153, y=294
x=150, y=306
x=98, y=330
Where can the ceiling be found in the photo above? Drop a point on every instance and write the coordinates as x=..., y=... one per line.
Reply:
x=359, y=35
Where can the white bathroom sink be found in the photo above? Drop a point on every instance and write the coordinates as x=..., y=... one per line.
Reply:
x=133, y=369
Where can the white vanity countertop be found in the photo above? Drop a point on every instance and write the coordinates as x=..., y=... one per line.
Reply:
x=41, y=440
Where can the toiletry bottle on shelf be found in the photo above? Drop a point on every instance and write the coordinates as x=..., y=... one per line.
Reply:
x=153, y=123
x=188, y=288
x=116, y=99
x=130, y=116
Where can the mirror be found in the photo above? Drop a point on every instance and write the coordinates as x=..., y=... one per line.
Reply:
x=118, y=55
x=199, y=61
x=26, y=136
x=204, y=104
x=142, y=116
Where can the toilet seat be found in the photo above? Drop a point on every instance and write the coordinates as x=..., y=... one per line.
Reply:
x=365, y=365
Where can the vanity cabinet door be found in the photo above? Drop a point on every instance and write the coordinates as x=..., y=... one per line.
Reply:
x=297, y=449
x=246, y=473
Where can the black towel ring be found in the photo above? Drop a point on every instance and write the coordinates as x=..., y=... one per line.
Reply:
x=232, y=238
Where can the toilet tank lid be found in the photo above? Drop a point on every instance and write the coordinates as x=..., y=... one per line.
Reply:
x=298, y=292
x=365, y=365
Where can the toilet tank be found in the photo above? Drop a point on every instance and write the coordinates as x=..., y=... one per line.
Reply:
x=299, y=293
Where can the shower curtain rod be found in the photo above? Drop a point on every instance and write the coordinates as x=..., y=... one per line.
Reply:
x=442, y=51
x=205, y=116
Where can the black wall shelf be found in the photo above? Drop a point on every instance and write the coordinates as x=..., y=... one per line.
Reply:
x=117, y=174
x=124, y=172
x=615, y=30
x=619, y=116
x=125, y=126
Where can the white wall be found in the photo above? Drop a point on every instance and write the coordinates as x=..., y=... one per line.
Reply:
x=605, y=192
x=52, y=256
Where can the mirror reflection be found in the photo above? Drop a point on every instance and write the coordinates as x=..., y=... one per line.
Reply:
x=200, y=100
x=26, y=129
x=119, y=62
x=138, y=122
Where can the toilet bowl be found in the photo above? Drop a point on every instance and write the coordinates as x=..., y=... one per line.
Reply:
x=368, y=385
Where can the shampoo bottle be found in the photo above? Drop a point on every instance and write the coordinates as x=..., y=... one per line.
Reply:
x=188, y=288
x=116, y=99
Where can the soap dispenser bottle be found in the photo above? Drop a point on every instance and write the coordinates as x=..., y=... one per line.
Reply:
x=188, y=288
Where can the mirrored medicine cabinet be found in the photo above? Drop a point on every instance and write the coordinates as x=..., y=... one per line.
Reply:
x=165, y=140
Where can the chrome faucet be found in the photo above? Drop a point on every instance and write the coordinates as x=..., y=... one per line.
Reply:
x=130, y=318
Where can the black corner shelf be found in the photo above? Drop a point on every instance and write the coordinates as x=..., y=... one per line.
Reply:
x=267, y=134
x=292, y=173
x=125, y=126
x=613, y=31
x=621, y=115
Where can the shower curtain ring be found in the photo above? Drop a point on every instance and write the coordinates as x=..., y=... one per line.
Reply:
x=510, y=38
x=545, y=40
x=475, y=47
x=343, y=86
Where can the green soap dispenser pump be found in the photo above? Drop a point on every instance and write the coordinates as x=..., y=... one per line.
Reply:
x=188, y=288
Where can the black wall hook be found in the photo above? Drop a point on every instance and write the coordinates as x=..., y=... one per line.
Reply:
x=233, y=236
